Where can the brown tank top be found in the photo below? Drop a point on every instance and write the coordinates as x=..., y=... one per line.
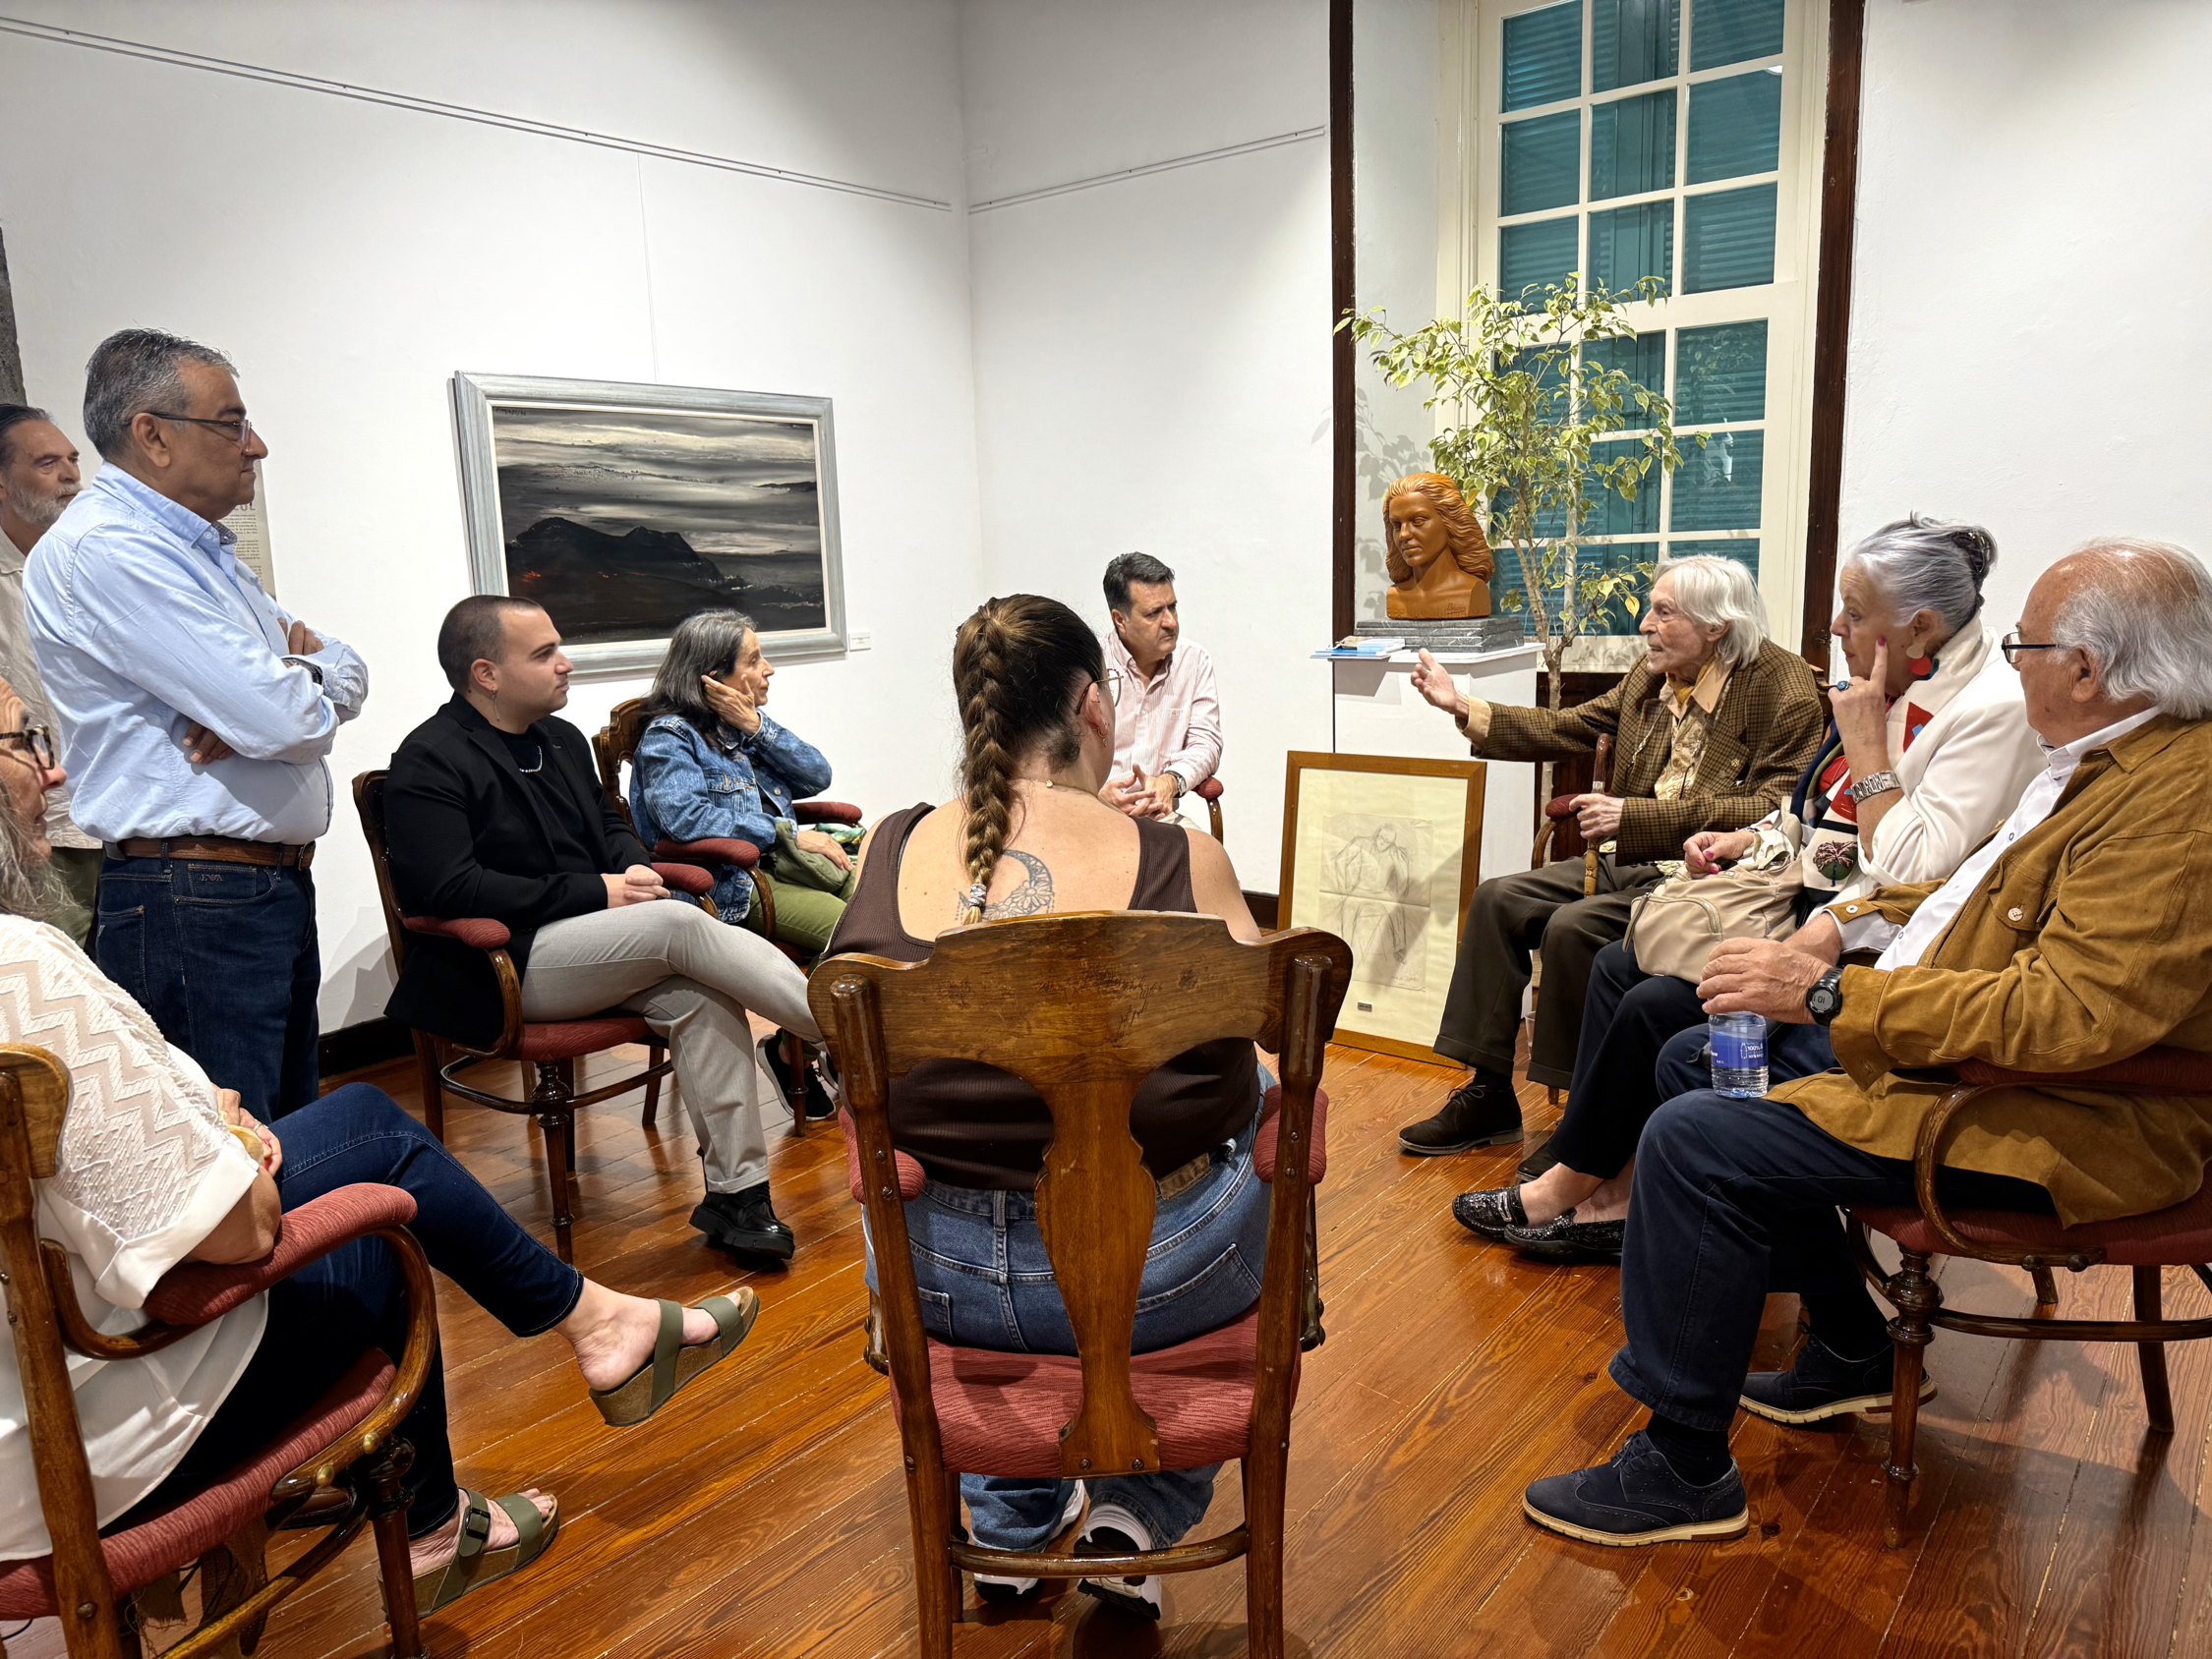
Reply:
x=976, y=1127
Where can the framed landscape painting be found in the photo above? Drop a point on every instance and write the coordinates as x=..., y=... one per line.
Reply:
x=1385, y=852
x=622, y=509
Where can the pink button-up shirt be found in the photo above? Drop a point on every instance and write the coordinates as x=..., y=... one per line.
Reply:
x=1171, y=725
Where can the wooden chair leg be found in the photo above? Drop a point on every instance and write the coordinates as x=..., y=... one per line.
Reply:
x=2046, y=1288
x=2157, y=1398
x=433, y=1092
x=1266, y=1471
x=654, y=1053
x=382, y=1473
x=1916, y=1297
x=794, y=1061
x=932, y=1496
x=557, y=1118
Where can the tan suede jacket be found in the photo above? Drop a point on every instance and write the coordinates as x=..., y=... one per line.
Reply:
x=2090, y=940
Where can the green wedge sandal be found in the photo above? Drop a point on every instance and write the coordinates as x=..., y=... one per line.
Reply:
x=674, y=1366
x=472, y=1564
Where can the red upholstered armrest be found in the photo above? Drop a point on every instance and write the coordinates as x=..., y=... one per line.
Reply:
x=194, y=1293
x=685, y=877
x=480, y=930
x=826, y=811
x=1209, y=790
x=714, y=849
x=2154, y=1071
x=1271, y=1116
x=1559, y=806
x=909, y=1171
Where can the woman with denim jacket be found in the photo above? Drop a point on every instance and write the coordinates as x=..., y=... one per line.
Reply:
x=711, y=764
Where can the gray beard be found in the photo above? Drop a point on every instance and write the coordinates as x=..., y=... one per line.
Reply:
x=40, y=511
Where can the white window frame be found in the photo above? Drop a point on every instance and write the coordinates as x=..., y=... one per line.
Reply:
x=1470, y=95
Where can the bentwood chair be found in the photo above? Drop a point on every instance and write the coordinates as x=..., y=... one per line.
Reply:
x=1210, y=792
x=1083, y=1007
x=552, y=1046
x=337, y=1468
x=614, y=747
x=2178, y=1237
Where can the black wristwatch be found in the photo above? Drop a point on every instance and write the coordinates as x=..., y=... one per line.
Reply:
x=1823, y=999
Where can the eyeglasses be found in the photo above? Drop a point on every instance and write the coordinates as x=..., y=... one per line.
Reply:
x=1113, y=684
x=236, y=428
x=39, y=739
x=2011, y=645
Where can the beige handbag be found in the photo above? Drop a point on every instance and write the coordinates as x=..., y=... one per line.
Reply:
x=1673, y=928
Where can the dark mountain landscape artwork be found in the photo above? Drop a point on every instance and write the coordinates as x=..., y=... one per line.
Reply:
x=624, y=522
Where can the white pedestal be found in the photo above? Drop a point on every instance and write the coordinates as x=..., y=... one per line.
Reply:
x=1378, y=712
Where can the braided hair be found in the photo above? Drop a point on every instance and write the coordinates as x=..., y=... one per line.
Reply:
x=1020, y=666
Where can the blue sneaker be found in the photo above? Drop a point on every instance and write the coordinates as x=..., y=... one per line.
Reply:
x=1638, y=1498
x=1820, y=1386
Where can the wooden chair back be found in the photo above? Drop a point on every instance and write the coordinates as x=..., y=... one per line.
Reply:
x=612, y=747
x=1083, y=1007
x=369, y=802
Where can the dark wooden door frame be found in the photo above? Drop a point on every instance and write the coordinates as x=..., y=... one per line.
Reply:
x=1832, y=317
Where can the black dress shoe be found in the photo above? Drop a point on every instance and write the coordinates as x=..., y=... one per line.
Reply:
x=818, y=1102
x=1637, y=1499
x=1481, y=1112
x=743, y=1222
x=1565, y=1239
x=1491, y=1212
x=1540, y=1159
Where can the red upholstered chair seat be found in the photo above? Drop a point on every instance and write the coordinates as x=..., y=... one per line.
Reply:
x=572, y=1039
x=1002, y=1413
x=178, y=1537
x=2178, y=1237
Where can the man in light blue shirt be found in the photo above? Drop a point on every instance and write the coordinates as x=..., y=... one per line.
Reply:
x=195, y=719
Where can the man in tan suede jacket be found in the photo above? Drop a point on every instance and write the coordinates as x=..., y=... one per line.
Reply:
x=2078, y=934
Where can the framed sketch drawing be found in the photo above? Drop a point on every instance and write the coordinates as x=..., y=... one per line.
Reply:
x=622, y=509
x=1385, y=852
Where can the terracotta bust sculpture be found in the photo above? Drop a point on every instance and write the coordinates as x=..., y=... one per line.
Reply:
x=1438, y=563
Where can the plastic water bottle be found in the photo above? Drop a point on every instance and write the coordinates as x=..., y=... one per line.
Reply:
x=1739, y=1055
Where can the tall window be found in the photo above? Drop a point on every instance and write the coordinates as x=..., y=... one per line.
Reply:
x=1680, y=139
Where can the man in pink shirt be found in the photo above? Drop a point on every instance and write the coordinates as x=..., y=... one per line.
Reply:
x=1167, y=720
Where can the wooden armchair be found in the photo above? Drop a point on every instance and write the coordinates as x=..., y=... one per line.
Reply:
x=337, y=1468
x=1210, y=792
x=1083, y=1007
x=2179, y=1237
x=552, y=1047
x=614, y=747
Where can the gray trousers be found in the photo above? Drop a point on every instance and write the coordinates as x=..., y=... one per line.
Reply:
x=693, y=979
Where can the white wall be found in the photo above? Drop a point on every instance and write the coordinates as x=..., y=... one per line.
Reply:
x=1151, y=352
x=2028, y=348
x=351, y=256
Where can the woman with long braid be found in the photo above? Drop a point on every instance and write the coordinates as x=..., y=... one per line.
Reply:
x=1029, y=835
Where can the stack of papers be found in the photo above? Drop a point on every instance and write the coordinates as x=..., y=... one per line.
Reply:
x=1381, y=645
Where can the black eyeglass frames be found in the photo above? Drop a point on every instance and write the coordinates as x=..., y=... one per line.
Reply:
x=236, y=428
x=40, y=741
x=2012, y=644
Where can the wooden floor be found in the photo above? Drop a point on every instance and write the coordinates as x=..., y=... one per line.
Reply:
x=763, y=1512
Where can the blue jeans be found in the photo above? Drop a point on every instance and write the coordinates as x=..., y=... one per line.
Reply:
x=323, y=1317
x=224, y=957
x=1735, y=1198
x=985, y=1281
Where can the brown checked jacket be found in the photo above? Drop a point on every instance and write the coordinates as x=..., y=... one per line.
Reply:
x=1764, y=729
x=2090, y=940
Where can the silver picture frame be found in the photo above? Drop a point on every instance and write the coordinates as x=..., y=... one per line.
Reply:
x=479, y=401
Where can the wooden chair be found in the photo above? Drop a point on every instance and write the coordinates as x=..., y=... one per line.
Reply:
x=337, y=1468
x=1210, y=792
x=2179, y=1237
x=614, y=747
x=552, y=1047
x=1083, y=1007
x=1558, y=815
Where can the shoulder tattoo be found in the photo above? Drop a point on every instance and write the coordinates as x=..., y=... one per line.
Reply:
x=1031, y=895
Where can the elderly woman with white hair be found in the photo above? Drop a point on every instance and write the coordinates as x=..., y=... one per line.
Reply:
x=1928, y=749
x=1709, y=731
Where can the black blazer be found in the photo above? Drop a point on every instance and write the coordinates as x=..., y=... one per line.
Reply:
x=467, y=838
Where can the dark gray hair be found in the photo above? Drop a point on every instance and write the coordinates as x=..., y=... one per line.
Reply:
x=474, y=631
x=1131, y=567
x=2145, y=617
x=133, y=371
x=1931, y=564
x=28, y=885
x=1711, y=590
x=707, y=641
x=12, y=416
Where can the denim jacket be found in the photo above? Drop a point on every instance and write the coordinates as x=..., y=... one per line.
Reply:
x=686, y=787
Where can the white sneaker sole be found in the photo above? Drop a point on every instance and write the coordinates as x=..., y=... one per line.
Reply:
x=1733, y=1527
x=1836, y=1407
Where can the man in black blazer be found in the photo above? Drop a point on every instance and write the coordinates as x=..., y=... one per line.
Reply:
x=492, y=809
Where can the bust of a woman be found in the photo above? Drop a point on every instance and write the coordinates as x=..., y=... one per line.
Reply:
x=1440, y=564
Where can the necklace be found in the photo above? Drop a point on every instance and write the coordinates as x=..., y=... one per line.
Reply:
x=535, y=766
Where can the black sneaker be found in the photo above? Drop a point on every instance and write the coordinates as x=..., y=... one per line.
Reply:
x=1481, y=1112
x=1821, y=1386
x=1489, y=1211
x=1565, y=1239
x=1638, y=1498
x=744, y=1221
x=818, y=1102
x=1138, y=1597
